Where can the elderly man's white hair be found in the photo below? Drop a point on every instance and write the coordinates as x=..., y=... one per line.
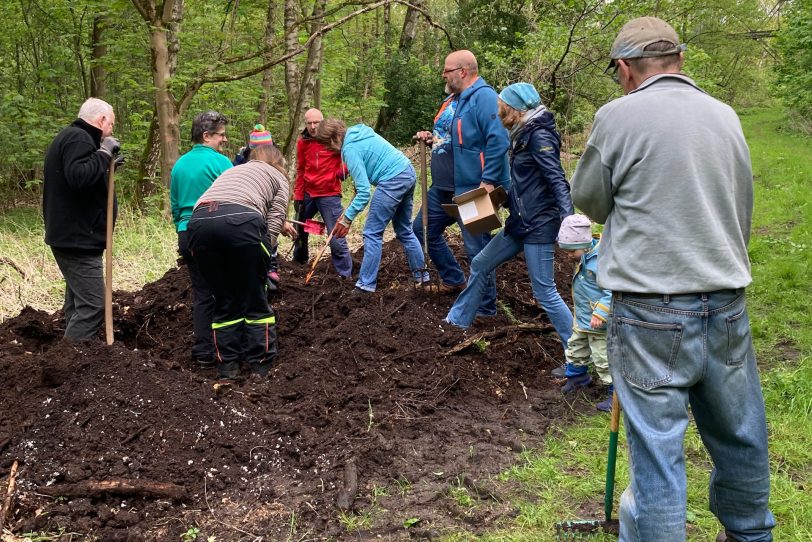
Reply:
x=93, y=108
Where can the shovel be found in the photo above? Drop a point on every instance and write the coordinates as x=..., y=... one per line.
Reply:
x=582, y=529
x=321, y=252
x=108, y=256
x=311, y=226
x=425, y=209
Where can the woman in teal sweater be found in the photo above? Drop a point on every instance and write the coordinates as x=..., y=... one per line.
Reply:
x=373, y=161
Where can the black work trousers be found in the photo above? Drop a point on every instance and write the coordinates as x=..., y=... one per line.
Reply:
x=202, y=303
x=231, y=246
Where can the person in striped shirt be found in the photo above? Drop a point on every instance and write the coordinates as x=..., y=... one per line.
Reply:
x=233, y=226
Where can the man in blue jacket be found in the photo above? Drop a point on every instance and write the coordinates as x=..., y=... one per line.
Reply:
x=479, y=145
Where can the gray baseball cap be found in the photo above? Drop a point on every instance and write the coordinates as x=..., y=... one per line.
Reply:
x=638, y=34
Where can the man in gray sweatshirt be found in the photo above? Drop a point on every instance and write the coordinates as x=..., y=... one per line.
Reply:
x=667, y=170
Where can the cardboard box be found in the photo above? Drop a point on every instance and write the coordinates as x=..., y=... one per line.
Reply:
x=477, y=209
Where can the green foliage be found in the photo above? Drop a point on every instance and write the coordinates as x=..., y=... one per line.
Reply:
x=415, y=90
x=794, y=71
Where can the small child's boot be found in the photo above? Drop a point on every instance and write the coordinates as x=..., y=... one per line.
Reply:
x=576, y=382
x=606, y=404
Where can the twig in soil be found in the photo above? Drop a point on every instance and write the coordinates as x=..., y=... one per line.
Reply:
x=347, y=494
x=9, y=262
x=12, y=484
x=501, y=332
x=354, y=358
x=392, y=313
x=313, y=305
x=117, y=486
x=134, y=435
x=4, y=443
x=524, y=388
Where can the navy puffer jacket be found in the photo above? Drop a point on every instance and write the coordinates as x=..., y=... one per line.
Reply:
x=539, y=195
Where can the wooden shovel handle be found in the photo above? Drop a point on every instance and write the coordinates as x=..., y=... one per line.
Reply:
x=108, y=255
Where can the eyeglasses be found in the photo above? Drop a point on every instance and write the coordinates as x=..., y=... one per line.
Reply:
x=613, y=74
x=453, y=70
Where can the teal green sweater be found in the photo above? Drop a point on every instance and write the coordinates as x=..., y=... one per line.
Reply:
x=193, y=174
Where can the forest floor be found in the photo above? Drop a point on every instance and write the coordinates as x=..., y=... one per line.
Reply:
x=374, y=422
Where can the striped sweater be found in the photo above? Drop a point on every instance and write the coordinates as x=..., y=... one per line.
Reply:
x=255, y=185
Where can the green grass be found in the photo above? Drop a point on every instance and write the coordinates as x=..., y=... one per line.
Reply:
x=144, y=248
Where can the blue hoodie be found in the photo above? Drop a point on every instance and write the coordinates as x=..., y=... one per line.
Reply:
x=479, y=140
x=371, y=160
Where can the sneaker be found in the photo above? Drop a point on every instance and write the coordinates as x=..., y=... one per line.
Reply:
x=360, y=292
x=724, y=537
x=576, y=382
x=559, y=372
x=605, y=405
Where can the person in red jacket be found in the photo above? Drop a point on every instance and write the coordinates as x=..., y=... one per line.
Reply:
x=319, y=173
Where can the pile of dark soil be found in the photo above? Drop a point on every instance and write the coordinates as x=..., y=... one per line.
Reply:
x=131, y=442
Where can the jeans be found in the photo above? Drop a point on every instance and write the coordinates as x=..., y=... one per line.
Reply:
x=447, y=266
x=84, y=292
x=330, y=209
x=669, y=352
x=392, y=201
x=539, y=258
x=202, y=303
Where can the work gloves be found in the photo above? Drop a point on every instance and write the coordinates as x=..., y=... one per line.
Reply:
x=110, y=146
x=342, y=227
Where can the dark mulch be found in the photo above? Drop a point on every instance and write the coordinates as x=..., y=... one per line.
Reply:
x=361, y=385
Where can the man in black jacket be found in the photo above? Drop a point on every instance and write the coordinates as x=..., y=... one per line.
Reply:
x=74, y=202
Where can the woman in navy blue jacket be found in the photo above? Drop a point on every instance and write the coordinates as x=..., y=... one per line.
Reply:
x=538, y=199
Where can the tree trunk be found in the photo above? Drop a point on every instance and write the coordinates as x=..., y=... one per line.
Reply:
x=267, y=75
x=291, y=43
x=98, y=74
x=166, y=109
x=305, y=87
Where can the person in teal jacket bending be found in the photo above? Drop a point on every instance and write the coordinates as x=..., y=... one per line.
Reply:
x=373, y=161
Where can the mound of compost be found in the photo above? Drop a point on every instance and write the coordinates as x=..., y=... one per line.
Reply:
x=377, y=415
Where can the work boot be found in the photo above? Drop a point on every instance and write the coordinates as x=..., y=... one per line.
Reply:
x=559, y=372
x=576, y=382
x=201, y=363
x=606, y=404
x=229, y=370
x=450, y=288
x=724, y=537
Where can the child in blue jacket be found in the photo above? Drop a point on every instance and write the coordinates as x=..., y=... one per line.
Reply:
x=591, y=302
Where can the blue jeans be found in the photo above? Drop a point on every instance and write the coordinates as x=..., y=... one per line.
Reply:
x=392, y=201
x=539, y=258
x=669, y=352
x=447, y=266
x=330, y=209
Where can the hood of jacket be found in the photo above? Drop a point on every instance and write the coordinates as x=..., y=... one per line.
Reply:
x=357, y=133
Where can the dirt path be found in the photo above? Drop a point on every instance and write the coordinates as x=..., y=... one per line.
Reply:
x=362, y=387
